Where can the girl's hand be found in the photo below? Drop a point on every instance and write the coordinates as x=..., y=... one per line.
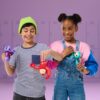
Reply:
x=82, y=69
x=3, y=56
x=67, y=51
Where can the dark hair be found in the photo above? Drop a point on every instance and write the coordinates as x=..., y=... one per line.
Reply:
x=75, y=18
x=27, y=25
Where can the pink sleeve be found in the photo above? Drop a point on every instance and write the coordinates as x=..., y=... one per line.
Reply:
x=57, y=46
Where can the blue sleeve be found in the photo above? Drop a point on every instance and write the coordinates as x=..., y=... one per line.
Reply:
x=91, y=65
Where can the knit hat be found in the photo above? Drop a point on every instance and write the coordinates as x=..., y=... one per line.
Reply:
x=26, y=20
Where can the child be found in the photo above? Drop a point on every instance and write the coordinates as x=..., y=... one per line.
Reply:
x=69, y=80
x=29, y=83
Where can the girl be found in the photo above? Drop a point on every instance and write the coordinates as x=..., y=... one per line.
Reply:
x=69, y=80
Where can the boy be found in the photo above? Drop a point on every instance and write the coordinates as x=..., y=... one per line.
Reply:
x=29, y=84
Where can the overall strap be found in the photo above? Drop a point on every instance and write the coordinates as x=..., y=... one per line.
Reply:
x=64, y=44
x=77, y=44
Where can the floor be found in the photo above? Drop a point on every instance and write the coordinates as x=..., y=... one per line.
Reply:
x=92, y=90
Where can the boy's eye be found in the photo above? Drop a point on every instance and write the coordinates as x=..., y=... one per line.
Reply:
x=25, y=30
x=32, y=31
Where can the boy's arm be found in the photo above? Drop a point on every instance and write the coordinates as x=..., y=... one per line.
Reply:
x=8, y=68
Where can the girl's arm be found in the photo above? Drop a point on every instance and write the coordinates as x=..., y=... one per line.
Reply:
x=91, y=64
x=57, y=56
x=82, y=69
x=90, y=67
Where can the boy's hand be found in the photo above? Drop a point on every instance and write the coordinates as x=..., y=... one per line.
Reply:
x=8, y=68
x=67, y=51
x=3, y=56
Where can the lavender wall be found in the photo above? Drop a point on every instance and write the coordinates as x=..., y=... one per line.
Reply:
x=46, y=13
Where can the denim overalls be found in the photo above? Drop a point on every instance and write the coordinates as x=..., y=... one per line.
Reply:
x=69, y=81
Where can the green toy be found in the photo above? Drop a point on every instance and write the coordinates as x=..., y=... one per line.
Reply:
x=77, y=56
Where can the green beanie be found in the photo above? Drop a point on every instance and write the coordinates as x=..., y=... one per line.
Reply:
x=26, y=20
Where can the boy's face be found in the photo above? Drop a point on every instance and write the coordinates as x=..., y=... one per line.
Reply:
x=28, y=34
x=68, y=29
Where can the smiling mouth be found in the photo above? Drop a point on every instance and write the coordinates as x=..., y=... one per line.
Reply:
x=28, y=37
x=68, y=36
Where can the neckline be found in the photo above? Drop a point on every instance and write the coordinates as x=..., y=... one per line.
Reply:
x=29, y=47
x=76, y=43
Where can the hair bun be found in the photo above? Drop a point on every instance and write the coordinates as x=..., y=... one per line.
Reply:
x=77, y=18
x=62, y=17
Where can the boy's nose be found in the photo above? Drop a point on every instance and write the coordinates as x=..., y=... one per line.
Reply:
x=29, y=32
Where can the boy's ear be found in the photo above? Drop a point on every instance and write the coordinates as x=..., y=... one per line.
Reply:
x=35, y=32
x=20, y=33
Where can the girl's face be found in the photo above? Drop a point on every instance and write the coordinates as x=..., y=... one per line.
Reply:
x=28, y=34
x=68, y=30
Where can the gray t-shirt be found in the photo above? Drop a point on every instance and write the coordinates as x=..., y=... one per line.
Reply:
x=28, y=82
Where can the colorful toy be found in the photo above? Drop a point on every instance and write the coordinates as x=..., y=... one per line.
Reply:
x=76, y=55
x=8, y=52
x=43, y=69
x=52, y=64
